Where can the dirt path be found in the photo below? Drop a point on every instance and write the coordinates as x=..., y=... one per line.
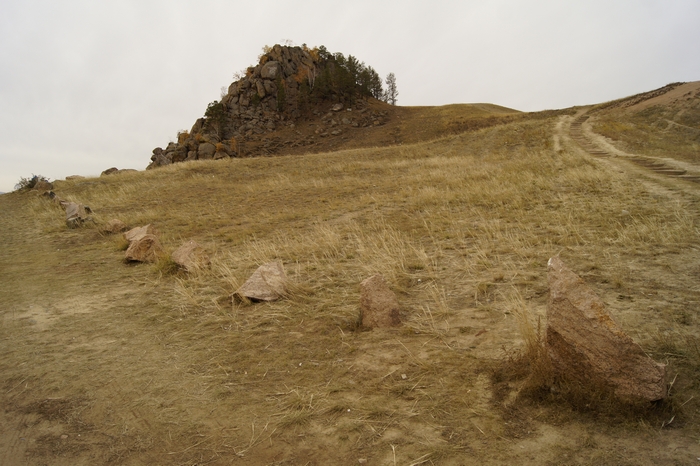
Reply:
x=579, y=129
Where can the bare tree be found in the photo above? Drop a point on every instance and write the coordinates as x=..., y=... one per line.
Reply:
x=391, y=95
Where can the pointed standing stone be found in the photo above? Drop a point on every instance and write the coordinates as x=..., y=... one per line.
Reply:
x=268, y=283
x=585, y=344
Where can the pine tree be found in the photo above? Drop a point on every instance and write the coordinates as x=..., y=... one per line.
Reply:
x=391, y=94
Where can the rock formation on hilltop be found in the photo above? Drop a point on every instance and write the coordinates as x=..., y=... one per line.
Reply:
x=287, y=84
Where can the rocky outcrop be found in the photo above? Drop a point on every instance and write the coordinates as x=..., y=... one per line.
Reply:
x=268, y=283
x=585, y=344
x=378, y=305
x=286, y=84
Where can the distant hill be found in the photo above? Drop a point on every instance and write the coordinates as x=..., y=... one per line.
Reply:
x=300, y=100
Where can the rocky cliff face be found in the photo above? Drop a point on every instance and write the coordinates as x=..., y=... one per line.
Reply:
x=288, y=83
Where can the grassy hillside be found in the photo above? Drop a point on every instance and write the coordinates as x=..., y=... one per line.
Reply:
x=108, y=363
x=665, y=125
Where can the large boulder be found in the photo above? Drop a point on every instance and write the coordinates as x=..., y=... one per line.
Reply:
x=268, y=283
x=206, y=151
x=145, y=248
x=191, y=257
x=378, y=304
x=586, y=345
x=111, y=171
x=269, y=70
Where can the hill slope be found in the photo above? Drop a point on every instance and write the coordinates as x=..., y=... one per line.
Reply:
x=661, y=123
x=301, y=100
x=106, y=362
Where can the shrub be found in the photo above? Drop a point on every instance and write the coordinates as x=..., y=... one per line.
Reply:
x=25, y=184
x=182, y=136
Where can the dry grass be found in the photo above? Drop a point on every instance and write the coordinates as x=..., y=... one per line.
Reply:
x=461, y=227
x=660, y=130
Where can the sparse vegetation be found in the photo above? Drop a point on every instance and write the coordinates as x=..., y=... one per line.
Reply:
x=156, y=366
x=25, y=184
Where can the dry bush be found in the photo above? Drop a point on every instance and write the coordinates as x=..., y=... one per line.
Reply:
x=182, y=136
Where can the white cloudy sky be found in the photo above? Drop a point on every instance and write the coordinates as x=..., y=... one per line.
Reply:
x=86, y=85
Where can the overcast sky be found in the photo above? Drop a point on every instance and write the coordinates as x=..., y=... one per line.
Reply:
x=87, y=85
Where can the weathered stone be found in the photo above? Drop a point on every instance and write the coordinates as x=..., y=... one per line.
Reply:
x=110, y=171
x=270, y=87
x=158, y=161
x=206, y=151
x=191, y=257
x=233, y=89
x=139, y=232
x=76, y=214
x=114, y=226
x=146, y=248
x=585, y=344
x=378, y=305
x=178, y=155
x=337, y=107
x=157, y=151
x=268, y=283
x=269, y=70
x=260, y=87
x=197, y=126
x=43, y=185
x=74, y=177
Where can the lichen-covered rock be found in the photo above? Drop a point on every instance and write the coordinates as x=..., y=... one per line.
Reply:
x=378, y=305
x=585, y=344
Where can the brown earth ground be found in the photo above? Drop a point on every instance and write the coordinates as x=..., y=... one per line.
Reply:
x=104, y=362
